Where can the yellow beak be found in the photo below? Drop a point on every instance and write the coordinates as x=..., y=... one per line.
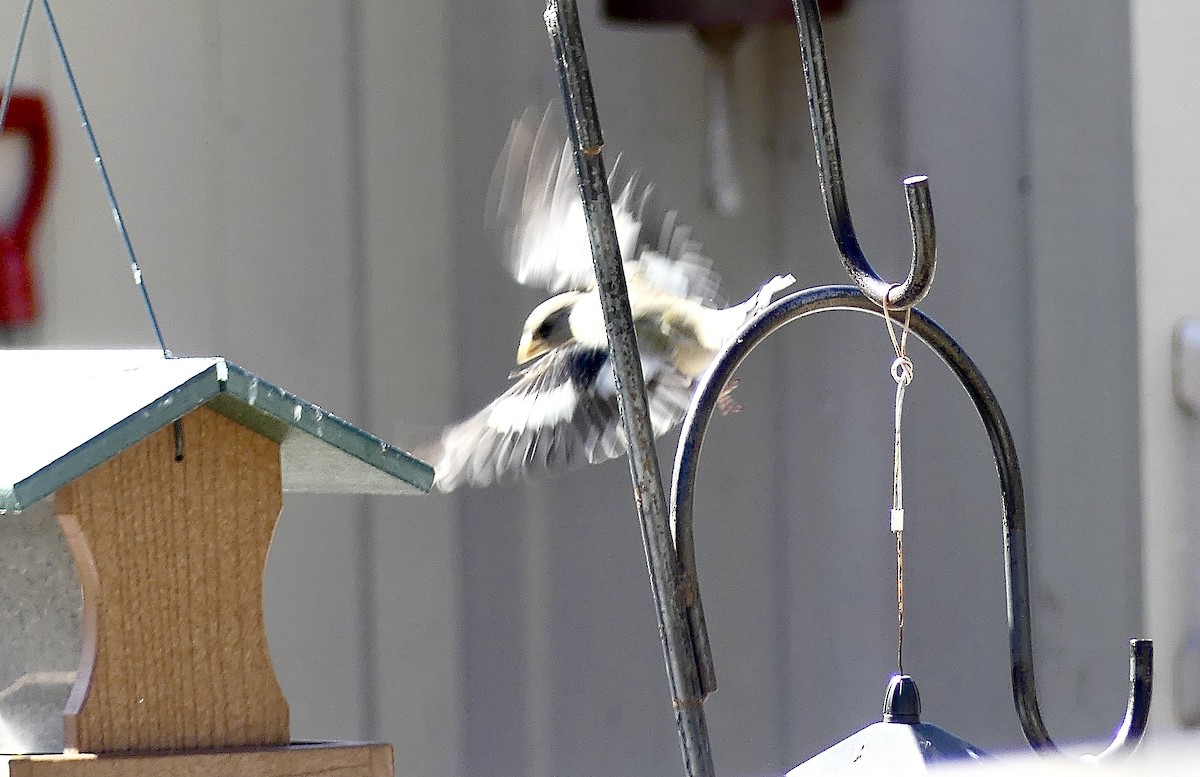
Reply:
x=528, y=349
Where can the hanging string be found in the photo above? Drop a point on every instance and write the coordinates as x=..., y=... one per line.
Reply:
x=108, y=189
x=134, y=267
x=902, y=373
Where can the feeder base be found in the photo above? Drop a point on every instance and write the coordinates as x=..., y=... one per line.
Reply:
x=327, y=759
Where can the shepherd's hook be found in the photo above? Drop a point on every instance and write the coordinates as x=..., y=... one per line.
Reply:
x=1016, y=571
x=833, y=186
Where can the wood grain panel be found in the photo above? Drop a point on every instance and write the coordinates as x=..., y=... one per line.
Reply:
x=171, y=556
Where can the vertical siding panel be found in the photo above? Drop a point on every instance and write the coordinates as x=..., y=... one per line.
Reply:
x=286, y=228
x=1167, y=171
x=1083, y=340
x=415, y=573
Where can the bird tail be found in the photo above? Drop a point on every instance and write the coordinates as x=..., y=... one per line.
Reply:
x=732, y=318
x=763, y=296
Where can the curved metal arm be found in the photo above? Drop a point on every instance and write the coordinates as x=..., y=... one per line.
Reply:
x=833, y=186
x=811, y=301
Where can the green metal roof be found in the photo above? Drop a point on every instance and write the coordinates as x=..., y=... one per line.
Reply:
x=64, y=412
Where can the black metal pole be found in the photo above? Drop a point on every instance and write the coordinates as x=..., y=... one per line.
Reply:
x=583, y=126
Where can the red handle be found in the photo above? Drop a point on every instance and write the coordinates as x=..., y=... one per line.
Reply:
x=18, y=294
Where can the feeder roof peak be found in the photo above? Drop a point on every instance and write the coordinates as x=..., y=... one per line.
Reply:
x=66, y=412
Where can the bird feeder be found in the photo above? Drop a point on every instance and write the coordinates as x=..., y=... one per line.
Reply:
x=168, y=478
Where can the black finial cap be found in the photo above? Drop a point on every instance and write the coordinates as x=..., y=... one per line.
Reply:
x=902, y=703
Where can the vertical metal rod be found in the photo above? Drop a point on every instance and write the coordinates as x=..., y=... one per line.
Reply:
x=12, y=67
x=562, y=23
x=108, y=189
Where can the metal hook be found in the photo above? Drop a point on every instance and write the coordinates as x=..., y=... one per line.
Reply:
x=807, y=302
x=833, y=186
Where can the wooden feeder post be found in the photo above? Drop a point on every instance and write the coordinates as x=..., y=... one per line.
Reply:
x=168, y=486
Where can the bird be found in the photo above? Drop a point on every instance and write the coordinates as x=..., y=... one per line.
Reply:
x=561, y=410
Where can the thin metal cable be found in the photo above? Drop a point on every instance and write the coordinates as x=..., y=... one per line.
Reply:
x=902, y=373
x=12, y=67
x=108, y=189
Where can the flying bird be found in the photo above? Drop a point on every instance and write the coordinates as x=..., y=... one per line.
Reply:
x=561, y=409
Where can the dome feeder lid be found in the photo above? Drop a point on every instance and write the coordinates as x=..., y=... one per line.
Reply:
x=899, y=744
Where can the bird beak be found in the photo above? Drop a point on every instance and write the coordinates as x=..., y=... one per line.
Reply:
x=528, y=349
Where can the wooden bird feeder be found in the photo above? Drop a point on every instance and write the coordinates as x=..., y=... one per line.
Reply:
x=168, y=476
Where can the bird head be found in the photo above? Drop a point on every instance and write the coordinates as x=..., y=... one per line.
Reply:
x=548, y=327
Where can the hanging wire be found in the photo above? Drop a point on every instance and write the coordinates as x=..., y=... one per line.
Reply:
x=138, y=280
x=12, y=67
x=902, y=373
x=108, y=188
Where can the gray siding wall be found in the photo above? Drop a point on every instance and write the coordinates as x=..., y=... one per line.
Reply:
x=305, y=185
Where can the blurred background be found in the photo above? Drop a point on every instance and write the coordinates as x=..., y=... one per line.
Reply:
x=304, y=182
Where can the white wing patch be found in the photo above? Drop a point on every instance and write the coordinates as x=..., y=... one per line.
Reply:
x=536, y=410
x=534, y=199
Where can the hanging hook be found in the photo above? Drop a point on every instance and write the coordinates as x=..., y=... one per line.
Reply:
x=833, y=186
x=807, y=302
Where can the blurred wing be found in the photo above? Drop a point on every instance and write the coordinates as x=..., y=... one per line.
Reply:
x=668, y=257
x=534, y=198
x=561, y=413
